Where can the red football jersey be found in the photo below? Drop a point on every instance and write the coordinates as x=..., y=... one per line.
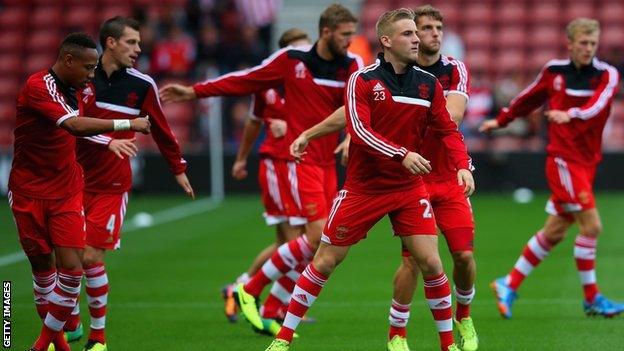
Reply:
x=44, y=158
x=585, y=93
x=387, y=115
x=453, y=76
x=313, y=88
x=269, y=105
x=126, y=94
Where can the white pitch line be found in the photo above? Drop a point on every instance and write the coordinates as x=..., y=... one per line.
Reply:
x=165, y=216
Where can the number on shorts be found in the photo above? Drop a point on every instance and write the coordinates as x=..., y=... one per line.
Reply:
x=110, y=226
x=427, y=211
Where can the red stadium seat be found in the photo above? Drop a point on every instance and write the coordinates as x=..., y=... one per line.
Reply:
x=13, y=17
x=612, y=36
x=179, y=113
x=6, y=136
x=611, y=12
x=479, y=60
x=10, y=64
x=510, y=36
x=112, y=11
x=36, y=62
x=7, y=111
x=371, y=12
x=8, y=88
x=544, y=12
x=477, y=13
x=477, y=37
x=578, y=9
x=12, y=41
x=46, y=17
x=80, y=18
x=43, y=41
x=546, y=36
x=511, y=61
x=511, y=13
x=538, y=58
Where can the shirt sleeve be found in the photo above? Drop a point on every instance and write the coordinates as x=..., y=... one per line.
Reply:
x=44, y=98
x=603, y=95
x=531, y=98
x=445, y=129
x=161, y=132
x=460, y=79
x=267, y=75
x=357, y=101
x=258, y=104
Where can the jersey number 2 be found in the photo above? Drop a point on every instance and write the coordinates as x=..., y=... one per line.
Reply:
x=427, y=211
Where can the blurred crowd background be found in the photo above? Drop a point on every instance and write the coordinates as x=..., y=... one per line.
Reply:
x=503, y=43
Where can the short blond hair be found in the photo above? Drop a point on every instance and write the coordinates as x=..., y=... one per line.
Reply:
x=386, y=20
x=582, y=25
x=428, y=11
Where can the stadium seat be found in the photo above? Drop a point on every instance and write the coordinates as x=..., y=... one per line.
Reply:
x=611, y=12
x=511, y=61
x=7, y=111
x=179, y=113
x=10, y=64
x=477, y=13
x=578, y=9
x=478, y=60
x=545, y=36
x=112, y=11
x=544, y=12
x=11, y=41
x=80, y=18
x=36, y=62
x=46, y=17
x=13, y=17
x=612, y=36
x=511, y=13
x=478, y=37
x=8, y=88
x=42, y=41
x=538, y=58
x=510, y=36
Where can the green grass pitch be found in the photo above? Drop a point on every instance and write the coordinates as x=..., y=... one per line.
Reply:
x=165, y=284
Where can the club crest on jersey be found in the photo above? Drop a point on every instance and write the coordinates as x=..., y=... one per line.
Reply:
x=300, y=70
x=132, y=99
x=557, y=83
x=423, y=91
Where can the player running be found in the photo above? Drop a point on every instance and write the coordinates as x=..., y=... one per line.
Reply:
x=579, y=92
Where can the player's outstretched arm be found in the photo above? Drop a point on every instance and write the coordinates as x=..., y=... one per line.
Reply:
x=332, y=124
x=489, y=125
x=177, y=93
x=86, y=126
x=183, y=181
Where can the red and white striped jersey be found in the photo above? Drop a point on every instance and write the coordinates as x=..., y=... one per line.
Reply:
x=454, y=78
x=266, y=106
x=585, y=93
x=258, y=12
x=313, y=88
x=44, y=158
x=126, y=94
x=387, y=116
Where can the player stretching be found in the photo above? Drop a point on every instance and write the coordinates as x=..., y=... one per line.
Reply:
x=46, y=182
x=120, y=92
x=314, y=81
x=451, y=208
x=579, y=91
x=388, y=106
x=281, y=210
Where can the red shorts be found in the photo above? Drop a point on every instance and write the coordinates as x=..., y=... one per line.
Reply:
x=277, y=193
x=453, y=214
x=571, y=186
x=314, y=188
x=353, y=215
x=45, y=224
x=104, y=214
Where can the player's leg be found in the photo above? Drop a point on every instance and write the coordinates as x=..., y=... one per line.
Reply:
x=44, y=280
x=585, y=246
x=404, y=285
x=309, y=193
x=104, y=214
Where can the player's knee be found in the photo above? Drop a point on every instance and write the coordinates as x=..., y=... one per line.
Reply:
x=592, y=229
x=430, y=265
x=462, y=258
x=554, y=237
x=410, y=265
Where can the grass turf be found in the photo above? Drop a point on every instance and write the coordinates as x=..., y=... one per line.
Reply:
x=165, y=284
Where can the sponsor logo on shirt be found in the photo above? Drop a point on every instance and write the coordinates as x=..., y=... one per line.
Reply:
x=378, y=87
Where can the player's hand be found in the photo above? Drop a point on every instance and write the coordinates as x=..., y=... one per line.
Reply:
x=140, y=124
x=185, y=184
x=297, y=148
x=557, y=116
x=176, y=93
x=277, y=127
x=489, y=125
x=465, y=179
x=343, y=149
x=416, y=164
x=121, y=147
x=239, y=170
